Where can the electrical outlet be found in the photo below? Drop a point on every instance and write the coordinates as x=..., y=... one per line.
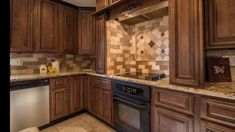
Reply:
x=15, y=62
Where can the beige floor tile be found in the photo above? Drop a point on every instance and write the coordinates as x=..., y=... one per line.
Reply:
x=81, y=123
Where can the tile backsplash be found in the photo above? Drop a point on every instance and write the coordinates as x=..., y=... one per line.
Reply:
x=143, y=47
x=31, y=62
x=225, y=53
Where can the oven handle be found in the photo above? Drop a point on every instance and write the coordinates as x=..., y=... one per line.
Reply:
x=142, y=106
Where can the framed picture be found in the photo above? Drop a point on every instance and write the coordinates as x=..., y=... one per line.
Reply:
x=219, y=70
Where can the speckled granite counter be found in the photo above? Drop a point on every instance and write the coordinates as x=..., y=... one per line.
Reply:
x=223, y=90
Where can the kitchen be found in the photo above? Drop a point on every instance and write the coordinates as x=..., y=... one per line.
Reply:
x=122, y=65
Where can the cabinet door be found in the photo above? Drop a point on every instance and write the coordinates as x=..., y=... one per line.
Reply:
x=67, y=29
x=77, y=94
x=107, y=106
x=101, y=4
x=164, y=120
x=21, y=25
x=59, y=103
x=100, y=41
x=86, y=32
x=47, y=26
x=186, y=42
x=211, y=127
x=220, y=23
x=86, y=85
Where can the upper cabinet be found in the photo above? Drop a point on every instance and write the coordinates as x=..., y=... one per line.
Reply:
x=100, y=41
x=85, y=39
x=220, y=24
x=47, y=26
x=101, y=4
x=21, y=25
x=186, y=42
x=67, y=29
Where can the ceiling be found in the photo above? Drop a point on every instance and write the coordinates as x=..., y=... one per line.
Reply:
x=82, y=3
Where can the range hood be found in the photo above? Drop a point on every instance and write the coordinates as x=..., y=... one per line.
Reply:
x=145, y=14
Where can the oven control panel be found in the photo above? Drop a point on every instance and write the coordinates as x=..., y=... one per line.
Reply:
x=131, y=90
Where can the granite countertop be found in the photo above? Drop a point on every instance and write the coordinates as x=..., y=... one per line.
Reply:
x=223, y=90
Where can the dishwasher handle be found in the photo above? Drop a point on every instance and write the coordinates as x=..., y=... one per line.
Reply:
x=28, y=84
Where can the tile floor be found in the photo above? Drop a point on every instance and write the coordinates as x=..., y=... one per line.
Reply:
x=80, y=123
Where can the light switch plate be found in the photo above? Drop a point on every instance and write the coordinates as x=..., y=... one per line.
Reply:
x=15, y=62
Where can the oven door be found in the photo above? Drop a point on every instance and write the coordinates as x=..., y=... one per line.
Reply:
x=130, y=115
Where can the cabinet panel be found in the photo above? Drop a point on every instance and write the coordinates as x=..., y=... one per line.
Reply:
x=76, y=94
x=211, y=127
x=67, y=29
x=173, y=100
x=59, y=103
x=100, y=41
x=86, y=86
x=21, y=25
x=186, y=42
x=219, y=111
x=101, y=4
x=86, y=44
x=164, y=120
x=220, y=23
x=47, y=26
x=107, y=106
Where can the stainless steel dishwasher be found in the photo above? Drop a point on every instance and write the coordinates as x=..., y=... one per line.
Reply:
x=29, y=104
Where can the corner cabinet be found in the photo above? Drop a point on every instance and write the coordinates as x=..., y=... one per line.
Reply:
x=100, y=41
x=220, y=24
x=86, y=35
x=67, y=29
x=46, y=26
x=186, y=42
x=21, y=25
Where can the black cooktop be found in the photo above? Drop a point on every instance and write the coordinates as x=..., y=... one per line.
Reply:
x=143, y=76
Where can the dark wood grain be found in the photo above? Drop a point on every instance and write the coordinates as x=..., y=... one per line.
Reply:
x=86, y=32
x=220, y=23
x=100, y=42
x=186, y=42
x=21, y=25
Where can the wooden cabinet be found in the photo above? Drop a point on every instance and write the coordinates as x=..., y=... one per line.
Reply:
x=101, y=4
x=211, y=127
x=21, y=25
x=67, y=29
x=100, y=41
x=101, y=100
x=59, y=98
x=169, y=121
x=171, y=111
x=76, y=94
x=220, y=111
x=46, y=27
x=86, y=85
x=186, y=42
x=220, y=24
x=85, y=39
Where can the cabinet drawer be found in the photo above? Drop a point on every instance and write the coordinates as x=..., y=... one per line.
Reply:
x=58, y=82
x=180, y=102
x=218, y=111
x=102, y=83
x=211, y=127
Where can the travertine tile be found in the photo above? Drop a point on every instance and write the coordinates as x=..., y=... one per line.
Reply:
x=81, y=123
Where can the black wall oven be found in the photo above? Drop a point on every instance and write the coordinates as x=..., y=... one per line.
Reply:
x=131, y=107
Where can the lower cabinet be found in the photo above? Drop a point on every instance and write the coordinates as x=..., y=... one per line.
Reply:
x=101, y=99
x=59, y=98
x=173, y=111
x=211, y=127
x=169, y=121
x=76, y=94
